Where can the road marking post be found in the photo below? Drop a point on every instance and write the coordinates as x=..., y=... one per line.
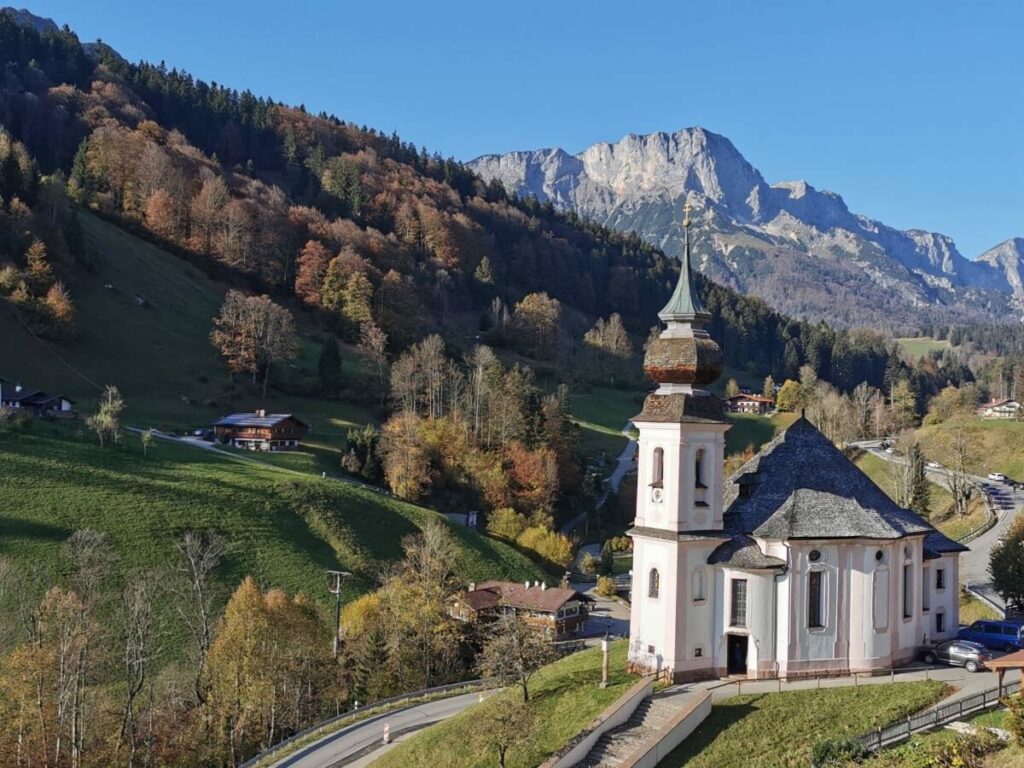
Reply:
x=387, y=733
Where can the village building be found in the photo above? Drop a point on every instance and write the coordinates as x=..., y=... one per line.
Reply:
x=557, y=612
x=1004, y=408
x=796, y=565
x=261, y=431
x=749, y=404
x=35, y=401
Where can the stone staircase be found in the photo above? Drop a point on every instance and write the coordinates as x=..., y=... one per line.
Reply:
x=650, y=717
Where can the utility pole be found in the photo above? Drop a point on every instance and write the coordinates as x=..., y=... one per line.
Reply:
x=334, y=579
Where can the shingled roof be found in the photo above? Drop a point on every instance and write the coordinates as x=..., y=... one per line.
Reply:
x=800, y=486
x=743, y=552
x=516, y=594
x=254, y=420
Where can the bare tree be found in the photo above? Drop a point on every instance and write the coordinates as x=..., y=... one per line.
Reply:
x=253, y=333
x=961, y=444
x=138, y=643
x=512, y=653
x=201, y=553
x=373, y=344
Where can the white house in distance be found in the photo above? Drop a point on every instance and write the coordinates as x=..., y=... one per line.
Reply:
x=798, y=565
x=1000, y=409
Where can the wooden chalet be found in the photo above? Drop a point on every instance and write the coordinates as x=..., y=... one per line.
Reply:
x=749, y=404
x=261, y=431
x=39, y=403
x=556, y=612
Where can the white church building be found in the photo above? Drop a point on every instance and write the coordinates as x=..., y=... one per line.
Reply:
x=796, y=565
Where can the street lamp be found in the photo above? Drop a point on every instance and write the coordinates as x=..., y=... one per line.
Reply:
x=334, y=579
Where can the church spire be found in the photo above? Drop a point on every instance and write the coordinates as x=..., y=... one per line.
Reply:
x=685, y=305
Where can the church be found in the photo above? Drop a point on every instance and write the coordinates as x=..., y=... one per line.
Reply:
x=796, y=565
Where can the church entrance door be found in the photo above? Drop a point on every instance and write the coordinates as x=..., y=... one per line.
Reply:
x=736, y=649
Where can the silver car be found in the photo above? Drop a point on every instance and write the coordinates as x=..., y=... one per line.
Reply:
x=957, y=653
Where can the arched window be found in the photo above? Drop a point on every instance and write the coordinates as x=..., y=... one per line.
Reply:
x=653, y=583
x=698, y=469
x=657, y=467
x=698, y=585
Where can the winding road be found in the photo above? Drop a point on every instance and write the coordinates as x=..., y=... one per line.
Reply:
x=359, y=744
x=974, y=563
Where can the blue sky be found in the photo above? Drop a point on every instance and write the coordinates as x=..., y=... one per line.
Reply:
x=910, y=110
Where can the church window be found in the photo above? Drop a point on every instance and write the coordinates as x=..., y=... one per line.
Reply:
x=881, y=599
x=814, y=556
x=698, y=586
x=925, y=589
x=658, y=468
x=653, y=583
x=940, y=578
x=815, y=599
x=698, y=469
x=879, y=555
x=739, y=603
x=908, y=590
x=698, y=652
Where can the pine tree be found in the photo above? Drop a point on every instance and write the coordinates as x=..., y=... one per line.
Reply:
x=920, y=491
x=78, y=181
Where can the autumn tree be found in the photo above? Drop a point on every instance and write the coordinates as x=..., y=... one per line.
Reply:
x=162, y=214
x=310, y=272
x=59, y=304
x=768, y=388
x=789, y=396
x=504, y=728
x=512, y=653
x=536, y=319
x=405, y=457
x=106, y=422
x=373, y=348
x=253, y=333
x=732, y=389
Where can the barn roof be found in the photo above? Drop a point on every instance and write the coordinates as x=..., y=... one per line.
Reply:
x=255, y=420
x=518, y=595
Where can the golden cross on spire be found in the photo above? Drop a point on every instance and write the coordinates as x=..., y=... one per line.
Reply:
x=686, y=214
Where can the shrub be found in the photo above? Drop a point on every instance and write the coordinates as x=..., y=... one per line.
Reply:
x=1015, y=717
x=588, y=564
x=606, y=586
x=963, y=751
x=836, y=752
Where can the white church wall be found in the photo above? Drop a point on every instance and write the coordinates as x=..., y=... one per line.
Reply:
x=944, y=599
x=652, y=619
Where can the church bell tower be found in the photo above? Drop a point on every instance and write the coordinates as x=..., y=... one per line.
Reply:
x=680, y=454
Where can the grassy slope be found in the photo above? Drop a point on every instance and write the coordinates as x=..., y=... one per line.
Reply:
x=52, y=485
x=159, y=354
x=603, y=412
x=913, y=753
x=997, y=446
x=565, y=697
x=916, y=347
x=778, y=730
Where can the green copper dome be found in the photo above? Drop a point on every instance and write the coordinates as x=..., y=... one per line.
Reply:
x=685, y=305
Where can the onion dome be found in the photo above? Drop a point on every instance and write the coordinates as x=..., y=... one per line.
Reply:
x=684, y=354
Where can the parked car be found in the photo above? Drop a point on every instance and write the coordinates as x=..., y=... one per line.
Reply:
x=997, y=477
x=957, y=653
x=999, y=635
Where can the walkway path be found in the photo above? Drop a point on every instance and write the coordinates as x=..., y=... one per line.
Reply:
x=650, y=717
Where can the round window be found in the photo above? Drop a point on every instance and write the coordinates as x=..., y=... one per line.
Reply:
x=815, y=556
x=879, y=555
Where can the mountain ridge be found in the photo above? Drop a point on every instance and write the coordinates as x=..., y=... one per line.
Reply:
x=639, y=183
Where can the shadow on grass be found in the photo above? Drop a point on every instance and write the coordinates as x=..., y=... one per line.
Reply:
x=722, y=716
x=14, y=528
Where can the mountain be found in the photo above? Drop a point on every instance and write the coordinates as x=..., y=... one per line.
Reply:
x=1008, y=259
x=799, y=248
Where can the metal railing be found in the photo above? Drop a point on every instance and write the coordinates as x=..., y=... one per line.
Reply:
x=338, y=721
x=935, y=717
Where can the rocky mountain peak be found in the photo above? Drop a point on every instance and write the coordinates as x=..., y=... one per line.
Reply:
x=763, y=236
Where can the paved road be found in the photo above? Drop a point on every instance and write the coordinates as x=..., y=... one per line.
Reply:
x=353, y=745
x=973, y=564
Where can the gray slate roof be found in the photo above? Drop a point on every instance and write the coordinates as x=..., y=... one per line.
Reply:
x=743, y=552
x=802, y=487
